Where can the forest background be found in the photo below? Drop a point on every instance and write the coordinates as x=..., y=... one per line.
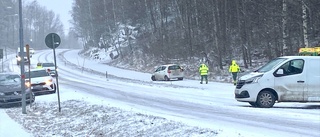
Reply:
x=144, y=33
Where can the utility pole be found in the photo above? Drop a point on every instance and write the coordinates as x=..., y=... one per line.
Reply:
x=23, y=76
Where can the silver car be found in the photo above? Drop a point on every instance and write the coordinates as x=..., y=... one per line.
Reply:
x=10, y=90
x=168, y=72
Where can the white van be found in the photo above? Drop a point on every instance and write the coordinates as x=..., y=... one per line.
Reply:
x=283, y=79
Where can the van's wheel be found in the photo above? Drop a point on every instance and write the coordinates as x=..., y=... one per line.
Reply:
x=265, y=99
x=166, y=78
x=180, y=78
x=253, y=104
x=153, y=78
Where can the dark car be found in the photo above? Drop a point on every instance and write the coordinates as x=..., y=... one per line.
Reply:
x=10, y=90
x=50, y=67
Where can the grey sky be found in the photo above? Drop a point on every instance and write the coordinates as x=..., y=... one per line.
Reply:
x=61, y=7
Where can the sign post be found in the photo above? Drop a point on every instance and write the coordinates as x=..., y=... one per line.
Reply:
x=1, y=53
x=52, y=41
x=29, y=73
x=23, y=77
x=1, y=57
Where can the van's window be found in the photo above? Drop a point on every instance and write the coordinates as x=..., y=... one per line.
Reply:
x=267, y=67
x=293, y=67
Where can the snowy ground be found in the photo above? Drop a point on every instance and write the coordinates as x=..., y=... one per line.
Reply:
x=80, y=118
x=94, y=118
x=108, y=114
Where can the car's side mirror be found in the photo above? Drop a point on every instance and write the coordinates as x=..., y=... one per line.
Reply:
x=279, y=72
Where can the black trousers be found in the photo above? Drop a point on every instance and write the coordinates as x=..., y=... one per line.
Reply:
x=234, y=76
x=204, y=77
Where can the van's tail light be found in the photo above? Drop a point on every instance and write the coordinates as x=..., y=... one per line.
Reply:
x=169, y=71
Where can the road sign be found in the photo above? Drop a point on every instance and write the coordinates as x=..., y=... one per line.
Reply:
x=53, y=40
x=1, y=53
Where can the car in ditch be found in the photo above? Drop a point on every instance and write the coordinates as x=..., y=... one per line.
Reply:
x=10, y=90
x=168, y=72
x=40, y=81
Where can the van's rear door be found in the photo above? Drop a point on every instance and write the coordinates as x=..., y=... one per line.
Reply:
x=313, y=79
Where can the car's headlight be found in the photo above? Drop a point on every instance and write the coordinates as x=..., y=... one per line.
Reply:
x=253, y=79
x=49, y=82
x=2, y=94
x=28, y=84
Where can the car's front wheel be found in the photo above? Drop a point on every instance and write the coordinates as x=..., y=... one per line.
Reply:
x=265, y=99
x=180, y=78
x=153, y=78
x=54, y=87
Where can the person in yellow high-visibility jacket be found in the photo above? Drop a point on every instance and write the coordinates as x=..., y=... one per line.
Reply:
x=203, y=70
x=39, y=65
x=234, y=69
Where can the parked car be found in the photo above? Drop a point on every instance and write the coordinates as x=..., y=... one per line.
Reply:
x=50, y=67
x=168, y=72
x=41, y=81
x=10, y=90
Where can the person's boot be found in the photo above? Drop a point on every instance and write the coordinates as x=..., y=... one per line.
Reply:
x=201, y=82
x=206, y=82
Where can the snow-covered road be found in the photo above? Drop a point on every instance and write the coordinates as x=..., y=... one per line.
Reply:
x=209, y=105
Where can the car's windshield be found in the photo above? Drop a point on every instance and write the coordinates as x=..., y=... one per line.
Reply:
x=38, y=73
x=9, y=79
x=47, y=65
x=270, y=65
